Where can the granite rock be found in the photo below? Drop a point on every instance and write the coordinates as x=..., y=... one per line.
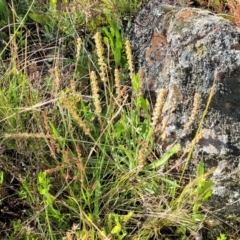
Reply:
x=190, y=52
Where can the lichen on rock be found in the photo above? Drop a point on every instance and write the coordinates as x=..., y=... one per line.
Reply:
x=191, y=49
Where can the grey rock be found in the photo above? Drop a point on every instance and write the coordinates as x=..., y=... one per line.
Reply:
x=186, y=51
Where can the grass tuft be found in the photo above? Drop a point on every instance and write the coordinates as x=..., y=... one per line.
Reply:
x=78, y=153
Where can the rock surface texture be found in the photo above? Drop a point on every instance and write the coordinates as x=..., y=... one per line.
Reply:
x=185, y=51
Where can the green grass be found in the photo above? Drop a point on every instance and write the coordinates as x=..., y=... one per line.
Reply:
x=78, y=157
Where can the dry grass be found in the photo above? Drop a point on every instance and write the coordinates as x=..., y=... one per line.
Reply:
x=234, y=6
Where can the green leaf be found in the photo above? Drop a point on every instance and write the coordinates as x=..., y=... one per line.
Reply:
x=39, y=18
x=170, y=182
x=126, y=218
x=144, y=104
x=54, y=130
x=41, y=178
x=4, y=12
x=116, y=229
x=2, y=23
x=200, y=169
x=196, y=207
x=106, y=41
x=117, y=56
x=112, y=31
x=149, y=189
x=54, y=212
x=222, y=237
x=1, y=177
x=206, y=190
x=135, y=83
x=165, y=157
x=119, y=129
x=43, y=191
x=118, y=39
x=110, y=37
x=198, y=217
